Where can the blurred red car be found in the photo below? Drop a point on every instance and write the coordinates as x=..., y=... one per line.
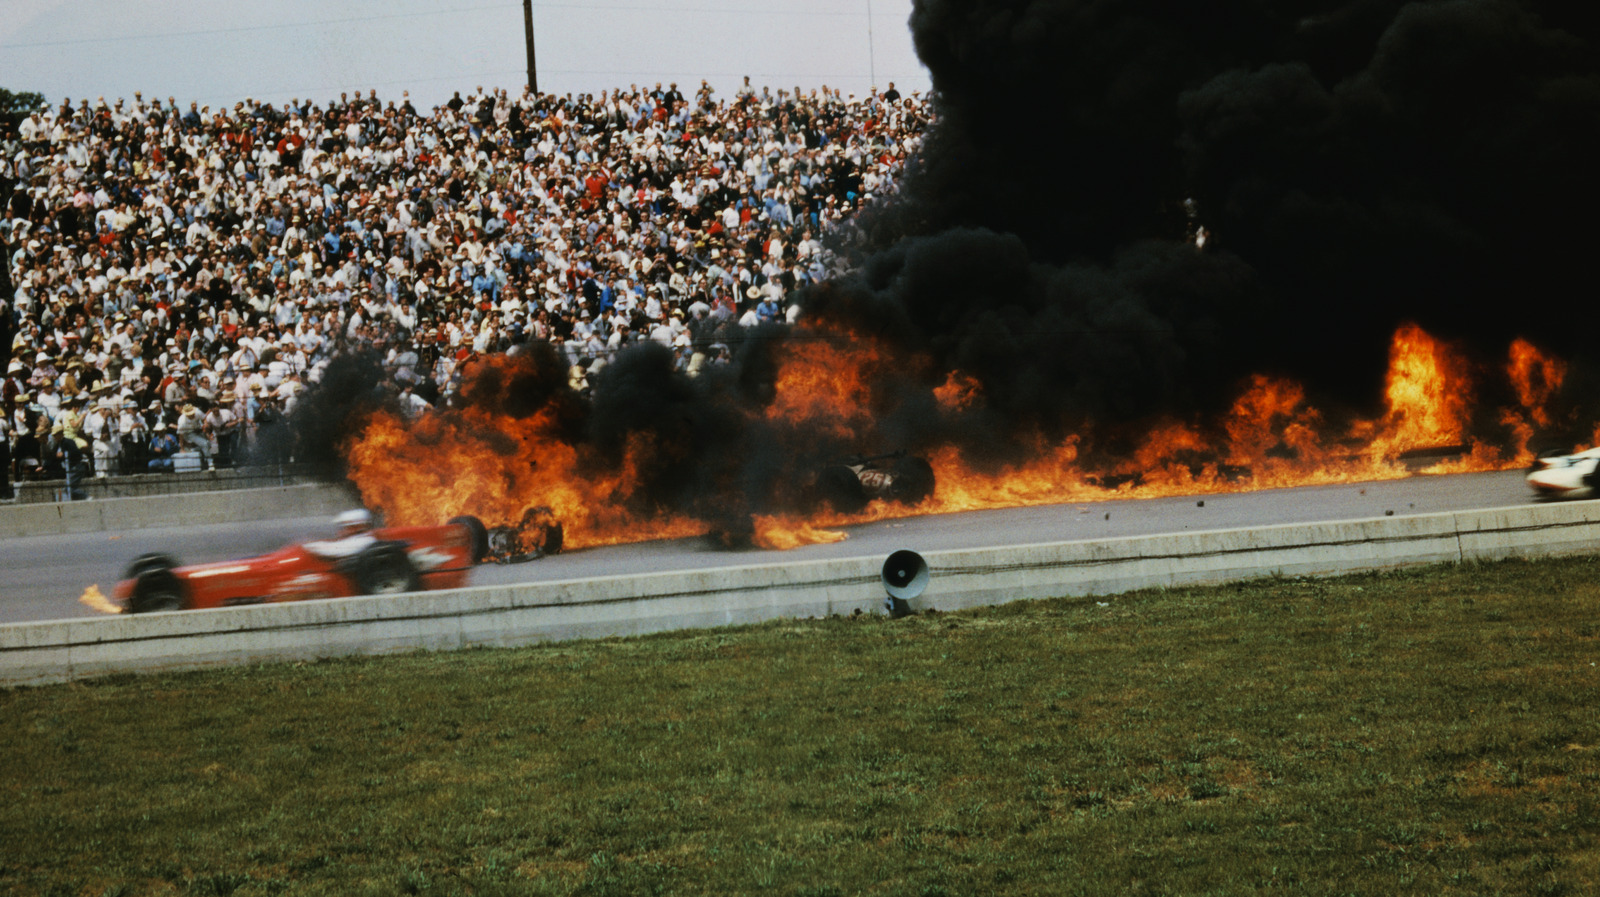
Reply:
x=382, y=561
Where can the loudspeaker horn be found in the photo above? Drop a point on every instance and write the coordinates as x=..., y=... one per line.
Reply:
x=905, y=576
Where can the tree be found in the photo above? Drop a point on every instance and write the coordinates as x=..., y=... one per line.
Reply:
x=14, y=107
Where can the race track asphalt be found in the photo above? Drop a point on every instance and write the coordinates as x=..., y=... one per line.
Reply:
x=42, y=577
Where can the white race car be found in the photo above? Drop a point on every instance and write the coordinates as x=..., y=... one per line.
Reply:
x=1567, y=476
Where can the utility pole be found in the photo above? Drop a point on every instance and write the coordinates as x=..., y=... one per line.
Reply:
x=527, y=32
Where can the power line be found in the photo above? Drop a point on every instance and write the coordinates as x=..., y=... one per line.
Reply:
x=720, y=10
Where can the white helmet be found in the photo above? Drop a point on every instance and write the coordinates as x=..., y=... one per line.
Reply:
x=358, y=519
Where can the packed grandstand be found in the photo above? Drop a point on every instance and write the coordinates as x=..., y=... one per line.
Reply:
x=182, y=274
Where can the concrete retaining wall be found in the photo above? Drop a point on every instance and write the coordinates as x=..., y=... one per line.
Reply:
x=232, y=506
x=629, y=605
x=141, y=484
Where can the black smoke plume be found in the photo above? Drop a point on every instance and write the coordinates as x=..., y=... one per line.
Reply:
x=312, y=434
x=1357, y=165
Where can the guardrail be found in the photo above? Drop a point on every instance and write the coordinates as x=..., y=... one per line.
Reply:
x=631, y=605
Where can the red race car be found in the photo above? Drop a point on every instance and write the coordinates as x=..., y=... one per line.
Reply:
x=362, y=561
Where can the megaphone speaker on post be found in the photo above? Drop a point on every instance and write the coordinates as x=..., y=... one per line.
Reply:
x=905, y=576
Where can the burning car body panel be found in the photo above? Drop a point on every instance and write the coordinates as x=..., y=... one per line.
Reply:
x=385, y=561
x=1557, y=476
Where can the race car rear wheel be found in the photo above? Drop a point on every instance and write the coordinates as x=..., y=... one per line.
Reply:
x=150, y=561
x=385, y=570
x=477, y=533
x=157, y=588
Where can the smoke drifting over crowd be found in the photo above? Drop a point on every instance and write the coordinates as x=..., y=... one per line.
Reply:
x=1356, y=165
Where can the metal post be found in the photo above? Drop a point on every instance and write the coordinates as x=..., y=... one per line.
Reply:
x=527, y=30
x=872, y=58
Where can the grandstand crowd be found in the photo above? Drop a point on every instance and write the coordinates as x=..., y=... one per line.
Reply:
x=182, y=274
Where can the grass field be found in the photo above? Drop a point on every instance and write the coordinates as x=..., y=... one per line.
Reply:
x=1430, y=732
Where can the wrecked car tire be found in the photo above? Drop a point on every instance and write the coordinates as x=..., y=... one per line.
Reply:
x=913, y=480
x=841, y=489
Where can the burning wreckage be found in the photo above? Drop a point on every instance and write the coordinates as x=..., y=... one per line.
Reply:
x=847, y=486
x=854, y=482
x=537, y=534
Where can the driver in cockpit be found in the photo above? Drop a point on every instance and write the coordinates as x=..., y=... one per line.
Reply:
x=355, y=536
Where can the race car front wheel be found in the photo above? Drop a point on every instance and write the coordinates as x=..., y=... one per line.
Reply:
x=385, y=570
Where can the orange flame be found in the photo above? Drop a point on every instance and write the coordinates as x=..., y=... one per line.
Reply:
x=783, y=533
x=828, y=387
x=1537, y=377
x=825, y=384
x=1427, y=392
x=94, y=599
x=466, y=461
x=959, y=392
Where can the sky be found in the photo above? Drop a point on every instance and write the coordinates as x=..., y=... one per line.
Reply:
x=223, y=51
